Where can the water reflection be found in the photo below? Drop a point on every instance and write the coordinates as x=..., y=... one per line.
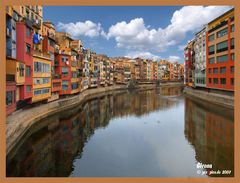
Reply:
x=127, y=134
x=210, y=130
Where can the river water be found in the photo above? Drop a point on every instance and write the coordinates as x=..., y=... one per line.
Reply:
x=153, y=133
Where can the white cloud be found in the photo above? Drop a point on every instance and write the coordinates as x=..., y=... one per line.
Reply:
x=87, y=28
x=134, y=35
x=181, y=47
x=143, y=55
x=174, y=58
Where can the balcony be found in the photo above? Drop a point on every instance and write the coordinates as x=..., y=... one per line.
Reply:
x=41, y=54
x=218, y=26
x=36, y=23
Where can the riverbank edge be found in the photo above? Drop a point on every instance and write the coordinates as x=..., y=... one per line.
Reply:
x=18, y=123
x=218, y=99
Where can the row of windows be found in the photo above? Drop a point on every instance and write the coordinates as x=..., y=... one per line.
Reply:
x=41, y=91
x=223, y=46
x=222, y=70
x=200, y=80
x=38, y=81
x=220, y=59
x=222, y=81
x=41, y=67
x=221, y=33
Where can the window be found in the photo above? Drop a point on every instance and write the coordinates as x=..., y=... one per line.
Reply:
x=9, y=98
x=45, y=80
x=28, y=31
x=41, y=91
x=64, y=85
x=21, y=70
x=211, y=60
x=74, y=86
x=222, y=33
x=211, y=50
x=232, y=28
x=210, y=80
x=51, y=55
x=223, y=58
x=210, y=71
x=64, y=59
x=41, y=67
x=215, y=80
x=28, y=88
x=222, y=70
x=46, y=90
x=232, y=69
x=38, y=81
x=28, y=49
x=211, y=37
x=223, y=46
x=232, y=81
x=222, y=81
x=28, y=71
x=74, y=74
x=37, y=92
x=215, y=70
x=232, y=43
x=232, y=56
x=64, y=70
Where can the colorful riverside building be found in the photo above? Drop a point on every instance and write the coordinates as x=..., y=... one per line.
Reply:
x=48, y=32
x=94, y=71
x=41, y=72
x=200, y=58
x=12, y=64
x=66, y=64
x=86, y=69
x=188, y=64
x=220, y=52
x=20, y=50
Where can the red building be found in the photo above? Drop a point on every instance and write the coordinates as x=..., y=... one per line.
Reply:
x=24, y=33
x=10, y=95
x=188, y=66
x=63, y=70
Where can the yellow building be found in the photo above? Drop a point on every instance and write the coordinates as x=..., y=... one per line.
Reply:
x=41, y=77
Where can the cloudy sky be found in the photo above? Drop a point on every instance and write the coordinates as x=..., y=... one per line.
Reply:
x=148, y=32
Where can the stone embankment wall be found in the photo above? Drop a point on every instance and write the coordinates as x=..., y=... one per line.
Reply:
x=219, y=99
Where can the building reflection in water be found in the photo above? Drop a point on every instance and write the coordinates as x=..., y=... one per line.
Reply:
x=51, y=145
x=210, y=130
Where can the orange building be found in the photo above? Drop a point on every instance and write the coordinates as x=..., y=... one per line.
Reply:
x=220, y=52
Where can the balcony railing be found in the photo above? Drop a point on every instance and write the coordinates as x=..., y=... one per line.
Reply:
x=218, y=26
x=36, y=23
x=41, y=54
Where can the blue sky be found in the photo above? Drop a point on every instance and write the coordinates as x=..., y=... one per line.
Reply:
x=148, y=32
